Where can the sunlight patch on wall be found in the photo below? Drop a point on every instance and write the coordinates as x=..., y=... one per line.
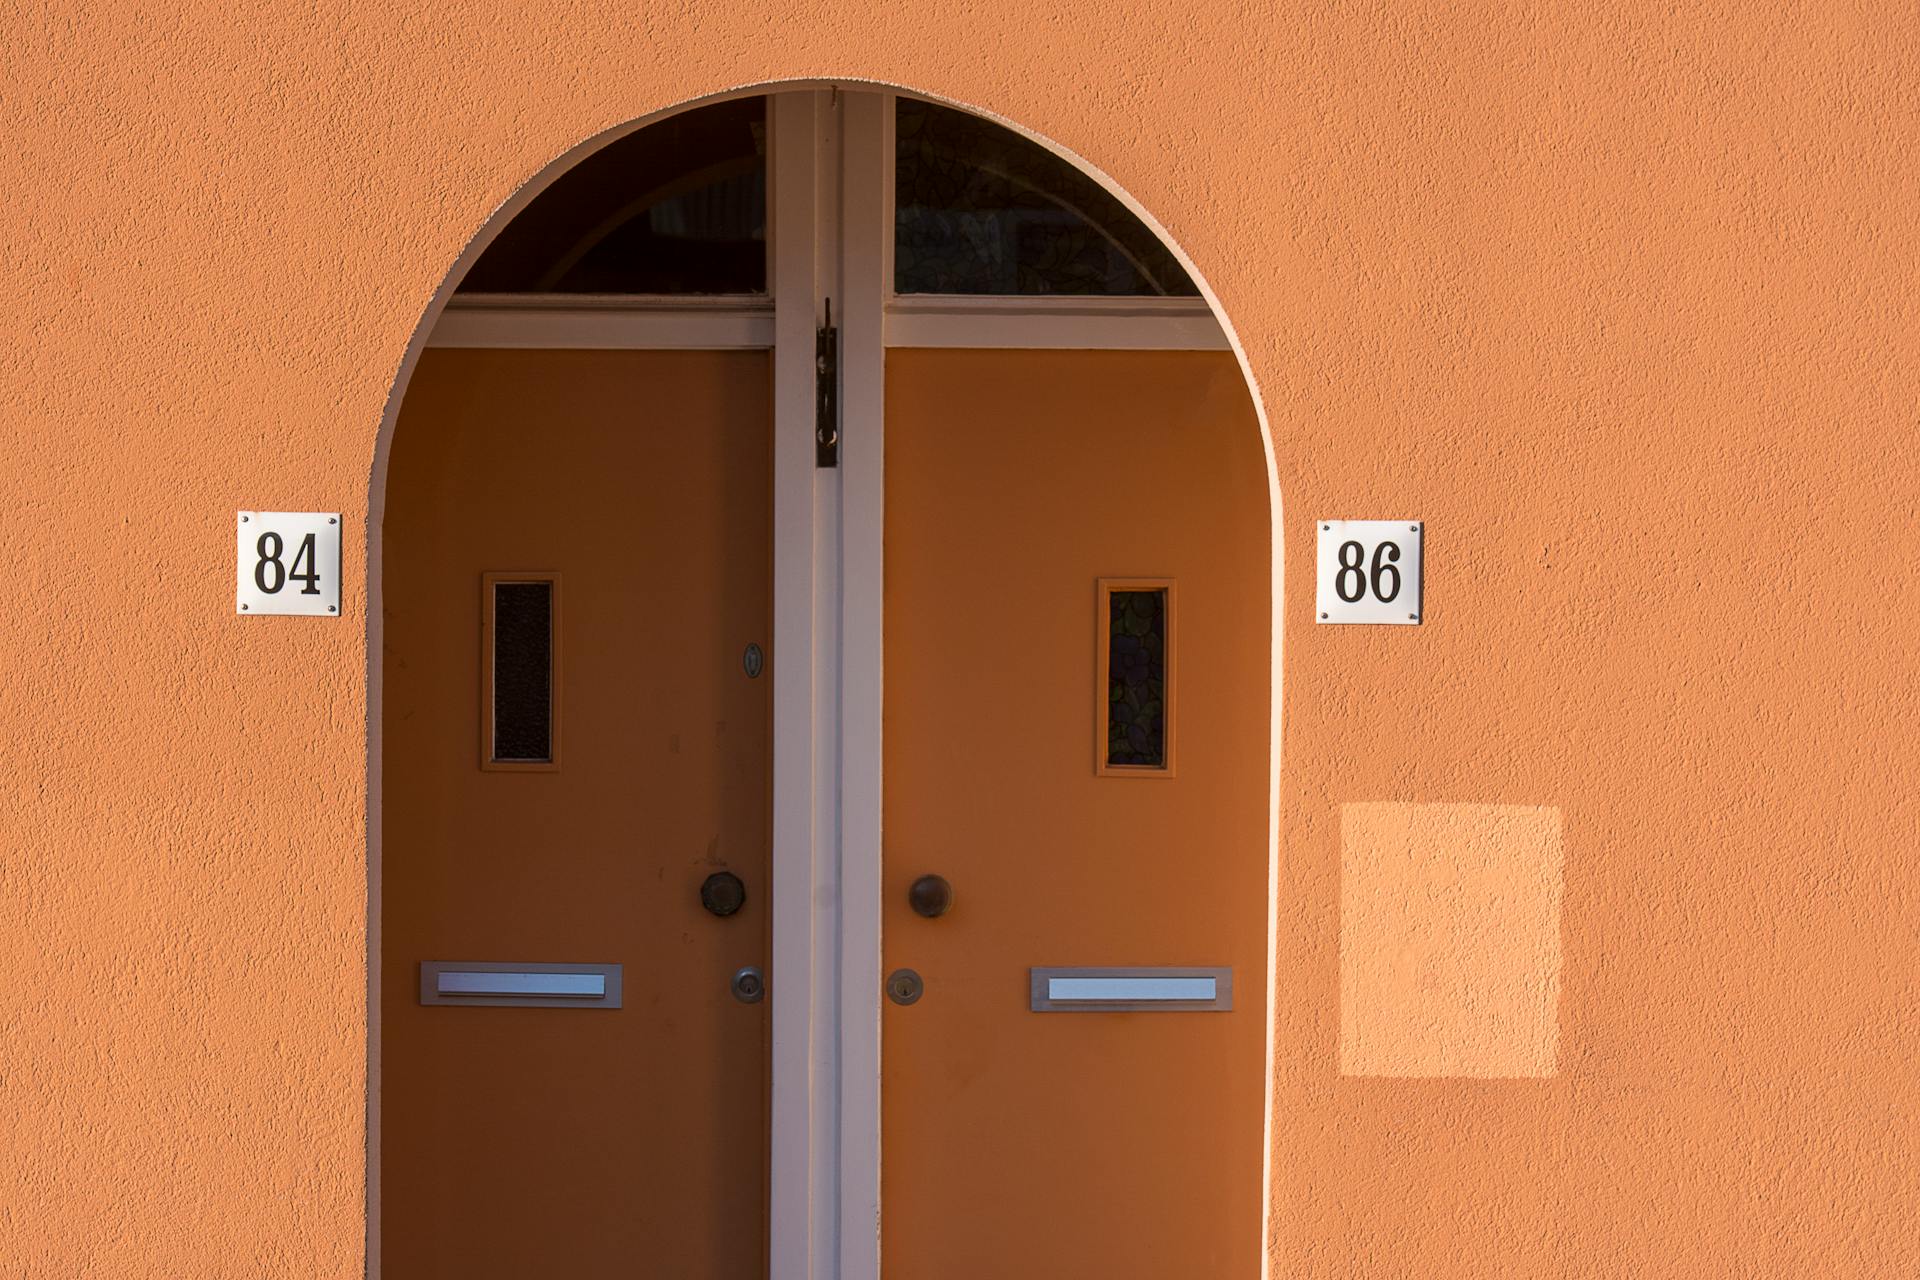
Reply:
x=1449, y=940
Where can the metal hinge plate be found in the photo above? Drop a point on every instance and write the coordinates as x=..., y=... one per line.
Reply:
x=826, y=393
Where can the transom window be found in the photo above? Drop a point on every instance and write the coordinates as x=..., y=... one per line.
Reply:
x=978, y=209
x=680, y=208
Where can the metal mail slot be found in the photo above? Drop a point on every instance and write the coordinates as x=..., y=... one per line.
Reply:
x=1167, y=990
x=485, y=982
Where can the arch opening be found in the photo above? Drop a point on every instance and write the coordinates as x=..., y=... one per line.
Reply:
x=718, y=192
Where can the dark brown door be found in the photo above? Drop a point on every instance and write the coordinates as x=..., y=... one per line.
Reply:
x=576, y=1140
x=1023, y=488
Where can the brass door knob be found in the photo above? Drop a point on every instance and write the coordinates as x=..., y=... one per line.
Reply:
x=930, y=896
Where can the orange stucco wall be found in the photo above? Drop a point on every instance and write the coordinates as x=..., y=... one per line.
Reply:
x=1617, y=300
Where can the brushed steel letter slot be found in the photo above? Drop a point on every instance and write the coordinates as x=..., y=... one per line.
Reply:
x=486, y=982
x=1131, y=990
x=585, y=986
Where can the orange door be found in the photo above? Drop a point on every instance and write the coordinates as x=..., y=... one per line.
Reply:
x=573, y=1138
x=1042, y=1145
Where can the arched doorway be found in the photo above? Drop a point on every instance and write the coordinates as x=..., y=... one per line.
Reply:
x=875, y=504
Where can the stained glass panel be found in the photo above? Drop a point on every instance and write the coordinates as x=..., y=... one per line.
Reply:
x=1137, y=678
x=978, y=209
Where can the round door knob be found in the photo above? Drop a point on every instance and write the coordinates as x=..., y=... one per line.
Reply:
x=930, y=896
x=904, y=986
x=722, y=893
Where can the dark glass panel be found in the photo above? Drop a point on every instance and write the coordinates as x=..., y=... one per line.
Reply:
x=980, y=209
x=678, y=207
x=523, y=671
x=1137, y=678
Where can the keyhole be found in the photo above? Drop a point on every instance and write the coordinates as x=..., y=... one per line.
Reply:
x=904, y=986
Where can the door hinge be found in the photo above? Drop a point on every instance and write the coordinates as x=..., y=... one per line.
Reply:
x=826, y=393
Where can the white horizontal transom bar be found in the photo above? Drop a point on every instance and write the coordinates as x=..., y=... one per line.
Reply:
x=596, y=323
x=1054, y=323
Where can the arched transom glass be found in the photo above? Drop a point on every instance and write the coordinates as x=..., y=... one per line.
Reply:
x=680, y=208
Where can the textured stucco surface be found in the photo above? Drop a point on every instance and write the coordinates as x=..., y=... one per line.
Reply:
x=1449, y=940
x=1619, y=300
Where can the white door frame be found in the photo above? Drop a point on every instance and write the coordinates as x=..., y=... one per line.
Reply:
x=865, y=279
x=805, y=1058
x=830, y=232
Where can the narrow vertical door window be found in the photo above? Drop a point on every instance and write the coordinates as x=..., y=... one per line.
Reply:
x=1139, y=620
x=1134, y=724
x=520, y=710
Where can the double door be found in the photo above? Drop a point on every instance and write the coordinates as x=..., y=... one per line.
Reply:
x=694, y=965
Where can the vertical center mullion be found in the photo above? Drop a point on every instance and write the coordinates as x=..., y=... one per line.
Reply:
x=802, y=1222
x=865, y=245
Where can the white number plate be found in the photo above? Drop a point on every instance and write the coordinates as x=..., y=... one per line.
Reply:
x=288, y=562
x=1369, y=572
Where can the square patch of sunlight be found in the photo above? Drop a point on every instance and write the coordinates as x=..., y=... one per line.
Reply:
x=1449, y=940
